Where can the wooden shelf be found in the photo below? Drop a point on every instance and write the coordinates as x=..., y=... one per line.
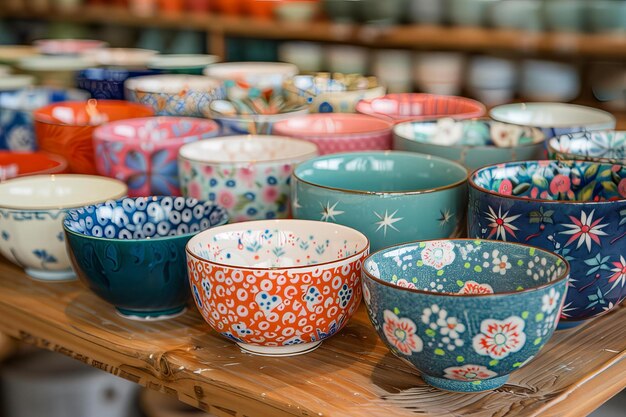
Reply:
x=403, y=36
x=352, y=374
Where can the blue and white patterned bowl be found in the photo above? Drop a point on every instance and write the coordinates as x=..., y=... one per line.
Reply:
x=131, y=252
x=604, y=146
x=576, y=209
x=108, y=83
x=465, y=313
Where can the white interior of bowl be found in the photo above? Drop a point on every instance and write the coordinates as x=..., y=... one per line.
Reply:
x=551, y=115
x=171, y=83
x=120, y=56
x=58, y=191
x=182, y=60
x=13, y=82
x=54, y=63
x=234, y=70
x=277, y=244
x=333, y=124
x=248, y=149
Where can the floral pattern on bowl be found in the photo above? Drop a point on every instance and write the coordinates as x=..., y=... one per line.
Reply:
x=606, y=146
x=575, y=208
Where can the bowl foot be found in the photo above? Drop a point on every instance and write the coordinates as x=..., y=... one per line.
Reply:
x=291, y=350
x=151, y=315
x=466, y=386
x=564, y=325
x=50, y=276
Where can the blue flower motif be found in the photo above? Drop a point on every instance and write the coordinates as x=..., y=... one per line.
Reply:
x=230, y=183
x=161, y=173
x=212, y=182
x=325, y=107
x=251, y=211
x=5, y=235
x=271, y=180
x=44, y=256
x=196, y=295
x=212, y=196
x=250, y=196
x=270, y=215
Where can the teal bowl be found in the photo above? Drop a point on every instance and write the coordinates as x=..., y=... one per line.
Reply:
x=131, y=252
x=465, y=313
x=391, y=197
x=473, y=143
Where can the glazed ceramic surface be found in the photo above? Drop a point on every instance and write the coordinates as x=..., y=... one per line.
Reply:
x=103, y=83
x=175, y=95
x=329, y=97
x=605, y=146
x=19, y=164
x=191, y=64
x=120, y=57
x=131, y=252
x=243, y=279
x=31, y=219
x=256, y=124
x=13, y=82
x=144, y=152
x=554, y=119
x=54, y=71
x=465, y=313
x=338, y=132
x=250, y=79
x=67, y=46
x=66, y=128
x=473, y=143
x=391, y=197
x=575, y=209
x=247, y=175
x=16, y=114
x=417, y=106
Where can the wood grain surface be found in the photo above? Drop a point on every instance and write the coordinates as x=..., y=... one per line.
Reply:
x=352, y=374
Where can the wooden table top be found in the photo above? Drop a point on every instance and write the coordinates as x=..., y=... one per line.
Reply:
x=352, y=374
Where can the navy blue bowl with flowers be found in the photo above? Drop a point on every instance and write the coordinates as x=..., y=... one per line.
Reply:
x=108, y=83
x=576, y=209
x=466, y=313
x=131, y=252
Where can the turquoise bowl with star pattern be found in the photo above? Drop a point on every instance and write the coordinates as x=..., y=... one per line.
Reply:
x=391, y=197
x=466, y=313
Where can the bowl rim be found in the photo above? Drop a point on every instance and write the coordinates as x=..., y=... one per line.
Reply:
x=224, y=219
x=103, y=133
x=38, y=118
x=167, y=61
x=520, y=106
x=122, y=193
x=388, y=129
x=570, y=156
x=248, y=68
x=61, y=166
x=305, y=156
x=463, y=121
x=75, y=92
x=483, y=190
x=359, y=254
x=383, y=193
x=301, y=110
x=290, y=86
x=564, y=275
x=135, y=84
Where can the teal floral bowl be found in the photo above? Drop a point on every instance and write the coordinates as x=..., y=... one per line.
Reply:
x=605, y=146
x=391, y=197
x=465, y=313
x=473, y=143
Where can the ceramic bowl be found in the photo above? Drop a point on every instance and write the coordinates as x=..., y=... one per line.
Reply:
x=67, y=46
x=255, y=124
x=20, y=164
x=338, y=132
x=492, y=80
x=248, y=175
x=565, y=15
x=297, y=11
x=324, y=96
x=14, y=82
x=131, y=252
x=426, y=11
x=307, y=56
x=405, y=107
x=131, y=58
x=192, y=64
x=439, y=72
x=576, y=209
x=251, y=79
x=554, y=119
x=473, y=143
x=391, y=197
x=54, y=71
x=16, y=124
x=66, y=128
x=341, y=11
x=242, y=277
x=465, y=313
x=107, y=83
x=470, y=12
x=518, y=14
x=31, y=219
x=11, y=54
x=378, y=12
x=346, y=59
x=549, y=81
x=393, y=67
x=607, y=16
x=175, y=95
x=604, y=146
x=144, y=152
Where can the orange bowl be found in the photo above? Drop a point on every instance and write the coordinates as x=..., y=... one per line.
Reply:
x=19, y=164
x=66, y=128
x=229, y=7
x=262, y=9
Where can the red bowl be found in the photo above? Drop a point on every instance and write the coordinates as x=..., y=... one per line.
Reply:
x=19, y=164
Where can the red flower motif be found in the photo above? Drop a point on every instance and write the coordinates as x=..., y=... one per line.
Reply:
x=498, y=338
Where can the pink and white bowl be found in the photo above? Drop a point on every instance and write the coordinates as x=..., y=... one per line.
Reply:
x=144, y=152
x=339, y=132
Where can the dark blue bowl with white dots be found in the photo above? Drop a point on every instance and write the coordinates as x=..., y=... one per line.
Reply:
x=131, y=252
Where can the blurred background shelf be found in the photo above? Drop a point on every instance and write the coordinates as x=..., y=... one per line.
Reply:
x=352, y=374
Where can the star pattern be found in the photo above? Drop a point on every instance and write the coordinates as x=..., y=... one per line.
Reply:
x=387, y=221
x=445, y=217
x=329, y=212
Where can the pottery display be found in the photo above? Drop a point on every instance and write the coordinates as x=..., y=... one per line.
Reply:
x=20, y=164
x=439, y=72
x=54, y=71
x=607, y=16
x=518, y=14
x=14, y=82
x=143, y=152
x=131, y=252
x=576, y=209
x=338, y=93
x=565, y=15
x=470, y=12
x=405, y=107
x=247, y=175
x=297, y=11
x=129, y=58
x=346, y=59
x=338, y=132
x=549, y=81
x=391, y=197
x=307, y=56
x=67, y=46
x=465, y=313
x=393, y=67
x=250, y=123
x=604, y=146
x=107, y=83
x=426, y=11
x=31, y=219
x=341, y=11
x=16, y=108
x=192, y=64
x=554, y=119
x=492, y=80
x=473, y=143
x=175, y=95
x=66, y=128
x=11, y=54
x=268, y=315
